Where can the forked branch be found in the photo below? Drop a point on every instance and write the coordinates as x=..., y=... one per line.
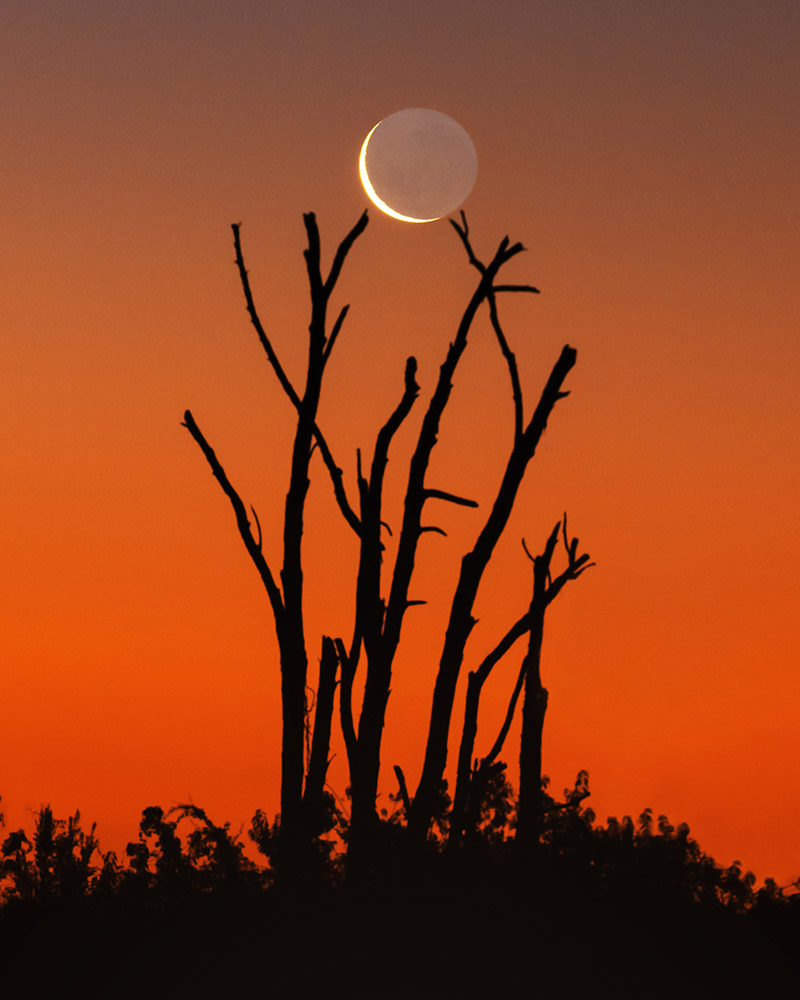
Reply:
x=471, y=781
x=508, y=354
x=334, y=471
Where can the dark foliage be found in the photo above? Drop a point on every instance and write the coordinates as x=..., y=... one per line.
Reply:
x=599, y=906
x=319, y=862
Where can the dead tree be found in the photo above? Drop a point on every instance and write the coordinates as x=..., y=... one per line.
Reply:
x=472, y=781
x=299, y=806
x=474, y=563
x=534, y=706
x=379, y=621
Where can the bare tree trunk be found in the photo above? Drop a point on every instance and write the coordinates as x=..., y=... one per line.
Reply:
x=461, y=620
x=464, y=779
x=379, y=623
x=314, y=793
x=294, y=659
x=287, y=599
x=534, y=707
x=470, y=783
x=465, y=776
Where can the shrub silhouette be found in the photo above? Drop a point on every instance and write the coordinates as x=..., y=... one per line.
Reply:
x=186, y=899
x=208, y=859
x=55, y=864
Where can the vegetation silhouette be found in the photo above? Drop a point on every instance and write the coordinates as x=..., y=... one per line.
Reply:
x=621, y=906
x=492, y=890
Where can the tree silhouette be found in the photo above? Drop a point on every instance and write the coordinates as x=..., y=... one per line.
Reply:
x=379, y=620
x=301, y=794
x=534, y=707
x=474, y=563
x=472, y=782
x=56, y=864
x=188, y=911
x=379, y=609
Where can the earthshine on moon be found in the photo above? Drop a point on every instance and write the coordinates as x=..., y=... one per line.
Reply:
x=418, y=165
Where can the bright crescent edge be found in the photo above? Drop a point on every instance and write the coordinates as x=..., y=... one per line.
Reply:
x=362, y=169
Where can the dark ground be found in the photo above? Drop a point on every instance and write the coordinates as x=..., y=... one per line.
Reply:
x=394, y=944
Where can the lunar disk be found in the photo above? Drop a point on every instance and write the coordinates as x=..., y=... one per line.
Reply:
x=418, y=165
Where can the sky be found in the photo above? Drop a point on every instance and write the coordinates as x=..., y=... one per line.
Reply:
x=645, y=153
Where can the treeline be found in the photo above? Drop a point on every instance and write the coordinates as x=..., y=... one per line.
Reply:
x=182, y=854
x=185, y=904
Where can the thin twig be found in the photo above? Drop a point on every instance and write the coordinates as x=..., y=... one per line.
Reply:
x=431, y=494
x=511, y=364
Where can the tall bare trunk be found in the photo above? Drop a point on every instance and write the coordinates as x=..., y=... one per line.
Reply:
x=534, y=707
x=286, y=599
x=461, y=620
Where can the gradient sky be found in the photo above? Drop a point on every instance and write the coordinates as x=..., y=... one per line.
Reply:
x=644, y=152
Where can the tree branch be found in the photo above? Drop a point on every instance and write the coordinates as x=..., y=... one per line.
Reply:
x=415, y=494
x=463, y=233
x=511, y=364
x=287, y=386
x=369, y=605
x=312, y=257
x=343, y=250
x=512, y=705
x=337, y=480
x=253, y=547
x=334, y=471
x=450, y=497
x=504, y=252
x=337, y=326
x=348, y=672
x=461, y=621
x=259, y=540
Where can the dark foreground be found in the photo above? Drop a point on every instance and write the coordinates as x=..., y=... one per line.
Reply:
x=492, y=941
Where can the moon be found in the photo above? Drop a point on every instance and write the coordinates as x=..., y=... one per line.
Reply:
x=418, y=165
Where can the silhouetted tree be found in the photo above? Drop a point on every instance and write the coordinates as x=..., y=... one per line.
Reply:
x=471, y=782
x=474, y=563
x=171, y=865
x=55, y=865
x=534, y=707
x=301, y=807
x=378, y=618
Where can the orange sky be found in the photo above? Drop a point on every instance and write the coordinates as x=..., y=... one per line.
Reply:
x=646, y=154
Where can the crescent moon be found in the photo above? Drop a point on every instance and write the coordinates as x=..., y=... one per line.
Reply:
x=362, y=169
x=422, y=165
